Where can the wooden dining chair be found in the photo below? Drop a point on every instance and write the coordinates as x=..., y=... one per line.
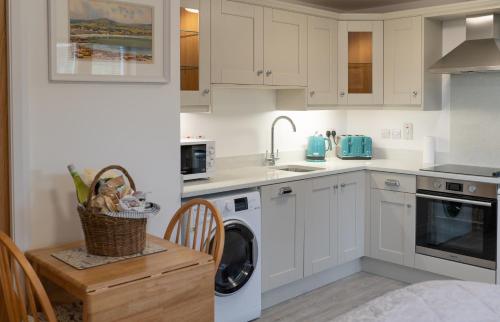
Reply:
x=23, y=297
x=200, y=234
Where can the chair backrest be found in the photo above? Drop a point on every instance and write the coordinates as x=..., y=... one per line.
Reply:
x=205, y=233
x=23, y=295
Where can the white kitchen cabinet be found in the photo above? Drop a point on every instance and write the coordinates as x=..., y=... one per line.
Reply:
x=195, y=54
x=351, y=212
x=321, y=236
x=322, y=59
x=285, y=48
x=283, y=210
x=403, y=61
x=361, y=63
x=393, y=226
x=237, y=43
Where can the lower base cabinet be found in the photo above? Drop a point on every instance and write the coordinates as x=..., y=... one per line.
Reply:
x=283, y=210
x=393, y=226
x=311, y=225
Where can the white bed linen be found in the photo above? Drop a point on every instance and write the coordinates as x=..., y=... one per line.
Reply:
x=434, y=301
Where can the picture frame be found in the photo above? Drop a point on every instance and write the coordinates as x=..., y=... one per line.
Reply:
x=126, y=41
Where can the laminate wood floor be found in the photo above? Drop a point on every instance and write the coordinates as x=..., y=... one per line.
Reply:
x=330, y=301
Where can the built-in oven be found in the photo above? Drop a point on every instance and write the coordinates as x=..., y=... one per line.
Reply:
x=197, y=159
x=457, y=220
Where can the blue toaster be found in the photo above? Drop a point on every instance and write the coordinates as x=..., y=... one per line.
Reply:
x=354, y=147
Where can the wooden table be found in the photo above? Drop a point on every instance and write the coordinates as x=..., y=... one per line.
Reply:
x=176, y=285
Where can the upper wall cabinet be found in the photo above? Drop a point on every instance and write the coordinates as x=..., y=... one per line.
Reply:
x=411, y=46
x=252, y=45
x=285, y=48
x=237, y=43
x=195, y=53
x=322, y=61
x=403, y=61
x=361, y=63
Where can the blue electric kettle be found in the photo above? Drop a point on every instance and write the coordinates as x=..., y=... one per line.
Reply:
x=316, y=148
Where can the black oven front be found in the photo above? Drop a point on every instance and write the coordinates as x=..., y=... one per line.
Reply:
x=457, y=221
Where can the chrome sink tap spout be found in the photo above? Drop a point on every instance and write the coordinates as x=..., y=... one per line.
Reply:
x=271, y=159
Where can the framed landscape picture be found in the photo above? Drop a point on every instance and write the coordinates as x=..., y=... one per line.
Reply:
x=110, y=40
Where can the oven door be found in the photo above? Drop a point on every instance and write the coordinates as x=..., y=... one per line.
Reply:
x=457, y=228
x=194, y=161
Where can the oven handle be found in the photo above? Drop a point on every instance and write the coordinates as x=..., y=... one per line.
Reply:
x=466, y=201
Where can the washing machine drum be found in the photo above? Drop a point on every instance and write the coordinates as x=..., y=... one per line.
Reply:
x=239, y=258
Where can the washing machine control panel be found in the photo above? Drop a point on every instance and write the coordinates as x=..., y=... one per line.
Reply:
x=241, y=204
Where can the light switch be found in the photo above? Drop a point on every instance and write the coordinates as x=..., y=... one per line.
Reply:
x=396, y=134
x=386, y=133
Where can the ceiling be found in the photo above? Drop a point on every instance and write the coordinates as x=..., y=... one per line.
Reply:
x=373, y=5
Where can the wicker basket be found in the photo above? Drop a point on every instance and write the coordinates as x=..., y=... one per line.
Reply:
x=111, y=236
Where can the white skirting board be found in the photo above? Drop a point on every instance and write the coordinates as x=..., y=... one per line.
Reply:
x=309, y=283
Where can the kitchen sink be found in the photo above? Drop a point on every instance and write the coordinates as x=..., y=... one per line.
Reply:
x=297, y=168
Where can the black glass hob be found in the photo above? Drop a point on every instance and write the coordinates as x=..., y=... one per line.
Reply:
x=465, y=170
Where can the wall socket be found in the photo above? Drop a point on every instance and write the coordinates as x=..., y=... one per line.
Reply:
x=396, y=134
x=408, y=131
x=386, y=133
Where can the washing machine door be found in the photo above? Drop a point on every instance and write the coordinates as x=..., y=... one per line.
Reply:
x=239, y=258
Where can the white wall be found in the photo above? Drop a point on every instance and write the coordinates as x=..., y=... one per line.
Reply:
x=92, y=125
x=241, y=123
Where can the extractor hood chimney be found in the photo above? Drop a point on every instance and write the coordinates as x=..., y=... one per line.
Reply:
x=480, y=52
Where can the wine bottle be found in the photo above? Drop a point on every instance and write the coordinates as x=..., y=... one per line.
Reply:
x=82, y=190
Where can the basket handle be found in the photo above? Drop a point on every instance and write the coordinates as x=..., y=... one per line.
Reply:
x=106, y=169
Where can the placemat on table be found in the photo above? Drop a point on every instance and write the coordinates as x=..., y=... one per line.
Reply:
x=80, y=259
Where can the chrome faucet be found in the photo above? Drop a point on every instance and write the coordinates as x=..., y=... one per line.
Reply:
x=271, y=159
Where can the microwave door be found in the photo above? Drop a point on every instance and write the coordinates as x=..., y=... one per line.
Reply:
x=186, y=162
x=199, y=157
x=193, y=159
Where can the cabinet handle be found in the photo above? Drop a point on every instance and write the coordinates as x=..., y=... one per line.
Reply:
x=206, y=91
x=312, y=93
x=285, y=191
x=342, y=185
x=408, y=206
x=392, y=183
x=269, y=73
x=335, y=187
x=415, y=93
x=260, y=72
x=342, y=93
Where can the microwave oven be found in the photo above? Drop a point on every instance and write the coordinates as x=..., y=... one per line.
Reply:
x=197, y=159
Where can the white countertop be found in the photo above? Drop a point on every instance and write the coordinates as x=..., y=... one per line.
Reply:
x=252, y=177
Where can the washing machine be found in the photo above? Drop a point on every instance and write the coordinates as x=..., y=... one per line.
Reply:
x=238, y=279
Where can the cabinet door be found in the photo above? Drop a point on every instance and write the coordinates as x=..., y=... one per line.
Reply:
x=322, y=60
x=237, y=43
x=321, y=236
x=283, y=207
x=195, y=52
x=361, y=62
x=351, y=210
x=403, y=61
x=285, y=48
x=393, y=226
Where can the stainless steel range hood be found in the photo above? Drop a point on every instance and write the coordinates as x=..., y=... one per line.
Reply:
x=480, y=52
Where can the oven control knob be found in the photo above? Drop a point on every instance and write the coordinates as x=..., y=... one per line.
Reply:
x=437, y=185
x=211, y=151
x=472, y=188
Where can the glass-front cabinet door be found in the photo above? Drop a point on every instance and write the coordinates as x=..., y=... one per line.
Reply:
x=360, y=62
x=195, y=54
